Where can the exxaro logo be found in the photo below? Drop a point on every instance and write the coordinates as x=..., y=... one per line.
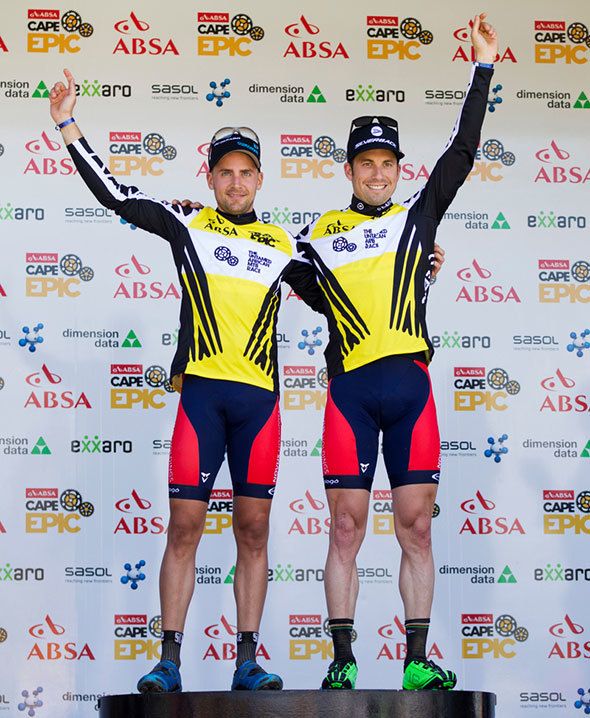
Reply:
x=565, y=512
x=127, y=156
x=102, y=89
x=132, y=639
x=303, y=43
x=383, y=33
x=135, y=270
x=394, y=649
x=456, y=340
x=473, y=291
x=10, y=213
x=297, y=156
x=557, y=41
x=43, y=277
x=466, y=52
x=45, y=34
x=134, y=43
x=556, y=276
x=486, y=524
x=484, y=635
x=550, y=220
x=559, y=171
x=557, y=573
x=286, y=215
x=214, y=35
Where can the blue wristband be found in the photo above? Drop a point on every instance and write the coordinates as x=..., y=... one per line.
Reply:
x=489, y=65
x=63, y=124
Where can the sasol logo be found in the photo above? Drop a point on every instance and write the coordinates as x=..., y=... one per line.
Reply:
x=475, y=388
x=566, y=512
x=127, y=153
x=483, y=635
x=50, y=399
x=48, y=644
x=304, y=388
x=43, y=513
x=134, y=521
x=49, y=275
x=47, y=165
x=485, y=525
x=214, y=35
x=45, y=31
x=394, y=649
x=102, y=89
x=310, y=518
x=134, y=43
x=219, y=511
x=556, y=276
x=490, y=158
x=463, y=34
x=383, y=33
x=556, y=41
x=131, y=385
x=135, y=270
x=225, y=633
x=475, y=291
x=304, y=44
x=306, y=638
x=133, y=640
x=300, y=153
x=557, y=401
x=555, y=169
x=569, y=643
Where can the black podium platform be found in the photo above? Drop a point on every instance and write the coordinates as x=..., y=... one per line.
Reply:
x=301, y=704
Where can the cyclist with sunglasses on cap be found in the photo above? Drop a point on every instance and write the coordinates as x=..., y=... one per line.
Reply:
x=373, y=264
x=230, y=267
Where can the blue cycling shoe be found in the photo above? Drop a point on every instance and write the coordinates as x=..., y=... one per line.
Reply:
x=163, y=678
x=251, y=677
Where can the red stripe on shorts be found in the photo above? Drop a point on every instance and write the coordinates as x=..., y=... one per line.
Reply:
x=264, y=455
x=425, y=445
x=339, y=455
x=183, y=467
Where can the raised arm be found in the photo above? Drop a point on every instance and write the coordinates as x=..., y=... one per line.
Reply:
x=128, y=202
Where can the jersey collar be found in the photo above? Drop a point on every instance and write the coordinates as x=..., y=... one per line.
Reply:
x=368, y=209
x=246, y=218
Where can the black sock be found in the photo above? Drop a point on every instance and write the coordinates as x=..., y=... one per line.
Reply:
x=416, y=634
x=341, y=630
x=246, y=644
x=171, y=642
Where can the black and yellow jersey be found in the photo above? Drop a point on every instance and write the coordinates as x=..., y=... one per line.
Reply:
x=373, y=264
x=230, y=269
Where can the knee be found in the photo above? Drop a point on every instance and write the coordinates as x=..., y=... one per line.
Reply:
x=183, y=535
x=415, y=534
x=347, y=530
x=252, y=535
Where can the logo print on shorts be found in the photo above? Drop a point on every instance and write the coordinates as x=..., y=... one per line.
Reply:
x=364, y=467
x=205, y=476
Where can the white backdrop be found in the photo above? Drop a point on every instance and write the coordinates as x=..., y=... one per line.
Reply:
x=85, y=427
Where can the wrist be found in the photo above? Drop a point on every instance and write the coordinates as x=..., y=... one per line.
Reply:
x=484, y=63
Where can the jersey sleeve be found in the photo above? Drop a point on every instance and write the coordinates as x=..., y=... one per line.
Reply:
x=129, y=203
x=456, y=162
x=301, y=277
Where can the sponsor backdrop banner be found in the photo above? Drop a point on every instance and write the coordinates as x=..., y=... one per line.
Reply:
x=89, y=326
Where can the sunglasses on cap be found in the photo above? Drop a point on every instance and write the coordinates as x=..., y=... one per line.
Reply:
x=225, y=132
x=366, y=120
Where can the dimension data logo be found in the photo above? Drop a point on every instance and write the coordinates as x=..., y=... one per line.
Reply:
x=45, y=31
x=557, y=99
x=387, y=36
x=289, y=93
x=478, y=574
x=214, y=36
x=555, y=283
x=304, y=43
x=478, y=220
x=557, y=41
x=561, y=448
x=136, y=40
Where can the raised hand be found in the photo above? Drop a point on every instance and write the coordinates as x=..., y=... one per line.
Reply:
x=484, y=39
x=62, y=99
